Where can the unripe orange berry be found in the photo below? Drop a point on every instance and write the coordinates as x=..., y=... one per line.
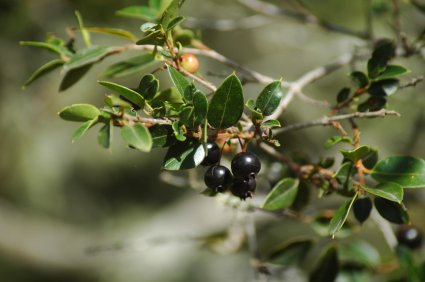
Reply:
x=189, y=62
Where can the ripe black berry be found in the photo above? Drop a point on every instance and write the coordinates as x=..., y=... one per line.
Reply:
x=246, y=164
x=213, y=155
x=243, y=187
x=218, y=178
x=409, y=236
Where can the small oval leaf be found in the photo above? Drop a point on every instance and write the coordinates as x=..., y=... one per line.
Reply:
x=79, y=112
x=340, y=216
x=126, y=92
x=269, y=99
x=137, y=136
x=337, y=139
x=391, y=211
x=282, y=195
x=179, y=80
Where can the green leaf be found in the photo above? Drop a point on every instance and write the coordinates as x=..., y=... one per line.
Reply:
x=255, y=112
x=226, y=106
x=328, y=267
x=49, y=46
x=184, y=155
x=131, y=66
x=171, y=95
x=343, y=94
x=282, y=195
x=340, y=216
x=162, y=136
x=178, y=130
x=359, y=78
x=343, y=175
x=154, y=38
x=104, y=138
x=392, y=71
x=114, y=101
x=359, y=252
x=362, y=152
x=178, y=80
x=138, y=12
x=79, y=112
x=73, y=76
x=385, y=87
x=362, y=208
x=145, y=27
x=200, y=110
x=44, y=69
x=113, y=31
x=337, y=139
x=391, y=211
x=372, y=104
x=83, y=129
x=85, y=34
x=148, y=86
x=382, y=54
x=126, y=92
x=408, y=264
x=174, y=22
x=137, y=136
x=409, y=172
x=271, y=123
x=292, y=252
x=390, y=191
x=87, y=56
x=171, y=12
x=269, y=99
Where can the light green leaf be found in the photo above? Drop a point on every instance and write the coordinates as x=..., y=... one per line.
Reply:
x=112, y=31
x=79, y=112
x=271, y=123
x=362, y=152
x=360, y=252
x=282, y=195
x=337, y=139
x=390, y=191
x=83, y=129
x=104, y=138
x=126, y=92
x=178, y=80
x=138, y=12
x=340, y=216
x=51, y=47
x=84, y=32
x=137, y=136
x=87, y=56
x=44, y=69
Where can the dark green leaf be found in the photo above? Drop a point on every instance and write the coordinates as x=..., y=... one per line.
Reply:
x=409, y=172
x=343, y=176
x=392, y=71
x=104, y=138
x=113, y=31
x=83, y=129
x=179, y=80
x=370, y=159
x=162, y=136
x=226, y=106
x=44, y=69
x=153, y=38
x=359, y=78
x=200, y=104
x=148, y=86
x=343, y=94
x=372, y=104
x=131, y=66
x=382, y=54
x=385, y=87
x=87, y=56
x=79, y=112
x=359, y=252
x=271, y=123
x=340, y=216
x=269, y=99
x=126, y=92
x=327, y=268
x=292, y=252
x=337, y=139
x=391, y=211
x=390, y=191
x=138, y=12
x=137, y=136
x=362, y=208
x=171, y=12
x=186, y=116
x=171, y=95
x=184, y=155
x=362, y=152
x=73, y=76
x=282, y=195
x=177, y=20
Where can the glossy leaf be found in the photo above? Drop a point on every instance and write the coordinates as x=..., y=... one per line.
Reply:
x=409, y=172
x=104, y=137
x=162, y=136
x=337, y=139
x=137, y=136
x=179, y=81
x=340, y=216
x=79, y=112
x=382, y=54
x=271, y=123
x=282, y=195
x=343, y=175
x=373, y=104
x=328, y=267
x=113, y=31
x=359, y=252
x=269, y=99
x=343, y=94
x=362, y=208
x=126, y=92
x=200, y=104
x=359, y=78
x=83, y=129
x=131, y=66
x=73, y=76
x=392, y=71
x=390, y=191
x=385, y=87
x=138, y=12
x=174, y=22
x=292, y=252
x=226, y=106
x=184, y=155
x=362, y=152
x=44, y=69
x=87, y=56
x=148, y=86
x=391, y=211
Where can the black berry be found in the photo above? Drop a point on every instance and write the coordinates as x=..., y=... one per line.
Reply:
x=409, y=236
x=218, y=178
x=246, y=164
x=213, y=155
x=243, y=187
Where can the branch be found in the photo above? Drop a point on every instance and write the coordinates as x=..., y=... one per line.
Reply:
x=328, y=120
x=228, y=24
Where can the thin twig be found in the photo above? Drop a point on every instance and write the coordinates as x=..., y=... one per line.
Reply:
x=324, y=121
x=250, y=22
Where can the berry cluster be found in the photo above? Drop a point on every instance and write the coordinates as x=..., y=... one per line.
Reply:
x=245, y=166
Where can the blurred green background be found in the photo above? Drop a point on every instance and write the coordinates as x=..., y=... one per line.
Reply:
x=76, y=212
